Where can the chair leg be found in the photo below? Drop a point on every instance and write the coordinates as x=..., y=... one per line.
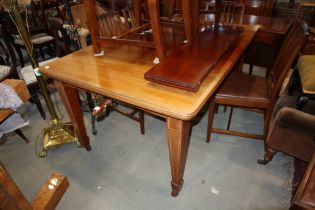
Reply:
x=211, y=111
x=268, y=156
x=19, y=52
x=251, y=64
x=302, y=100
x=19, y=132
x=141, y=121
x=91, y=107
x=230, y=119
x=37, y=103
x=41, y=53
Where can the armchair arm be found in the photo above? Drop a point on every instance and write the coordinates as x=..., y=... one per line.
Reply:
x=304, y=198
x=296, y=120
x=51, y=193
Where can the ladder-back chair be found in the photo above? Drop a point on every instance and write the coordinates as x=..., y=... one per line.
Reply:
x=242, y=90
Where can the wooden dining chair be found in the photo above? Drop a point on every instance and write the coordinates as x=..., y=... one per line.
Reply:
x=7, y=62
x=56, y=26
x=39, y=36
x=27, y=73
x=47, y=198
x=78, y=16
x=258, y=93
x=231, y=12
x=113, y=25
x=306, y=12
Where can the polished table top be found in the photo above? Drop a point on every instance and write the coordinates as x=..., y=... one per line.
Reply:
x=119, y=75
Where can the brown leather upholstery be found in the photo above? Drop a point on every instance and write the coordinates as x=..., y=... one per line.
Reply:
x=240, y=87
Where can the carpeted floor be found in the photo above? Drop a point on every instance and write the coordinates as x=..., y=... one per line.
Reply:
x=125, y=170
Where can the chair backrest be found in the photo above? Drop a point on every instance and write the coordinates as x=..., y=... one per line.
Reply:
x=295, y=40
x=6, y=21
x=111, y=25
x=129, y=17
x=231, y=12
x=60, y=34
x=306, y=12
x=79, y=15
x=10, y=195
x=7, y=56
x=48, y=8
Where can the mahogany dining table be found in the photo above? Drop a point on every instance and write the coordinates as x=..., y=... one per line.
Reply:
x=119, y=74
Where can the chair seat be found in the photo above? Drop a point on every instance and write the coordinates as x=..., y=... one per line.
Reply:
x=306, y=67
x=28, y=74
x=4, y=71
x=244, y=90
x=36, y=39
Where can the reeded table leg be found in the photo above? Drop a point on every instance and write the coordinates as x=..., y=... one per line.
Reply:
x=178, y=142
x=70, y=99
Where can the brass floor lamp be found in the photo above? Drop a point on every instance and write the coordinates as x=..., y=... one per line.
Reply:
x=57, y=133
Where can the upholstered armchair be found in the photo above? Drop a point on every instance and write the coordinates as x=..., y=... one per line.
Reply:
x=291, y=131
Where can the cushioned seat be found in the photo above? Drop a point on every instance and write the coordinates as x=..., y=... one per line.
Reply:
x=306, y=67
x=4, y=71
x=28, y=73
x=242, y=87
x=40, y=38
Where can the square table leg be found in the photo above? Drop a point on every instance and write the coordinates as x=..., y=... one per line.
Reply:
x=178, y=142
x=70, y=99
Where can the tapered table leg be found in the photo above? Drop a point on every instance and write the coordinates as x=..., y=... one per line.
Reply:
x=70, y=99
x=178, y=142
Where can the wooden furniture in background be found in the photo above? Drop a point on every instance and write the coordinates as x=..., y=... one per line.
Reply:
x=132, y=37
x=259, y=7
x=253, y=92
x=47, y=198
x=40, y=37
x=252, y=7
x=119, y=75
x=302, y=11
x=268, y=40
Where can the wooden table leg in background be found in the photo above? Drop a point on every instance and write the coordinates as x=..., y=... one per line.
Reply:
x=178, y=142
x=69, y=97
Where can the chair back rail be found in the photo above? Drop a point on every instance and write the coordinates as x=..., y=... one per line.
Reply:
x=7, y=55
x=293, y=43
x=111, y=24
x=306, y=12
x=231, y=12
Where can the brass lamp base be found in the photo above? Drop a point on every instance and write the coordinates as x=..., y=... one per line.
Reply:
x=58, y=134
